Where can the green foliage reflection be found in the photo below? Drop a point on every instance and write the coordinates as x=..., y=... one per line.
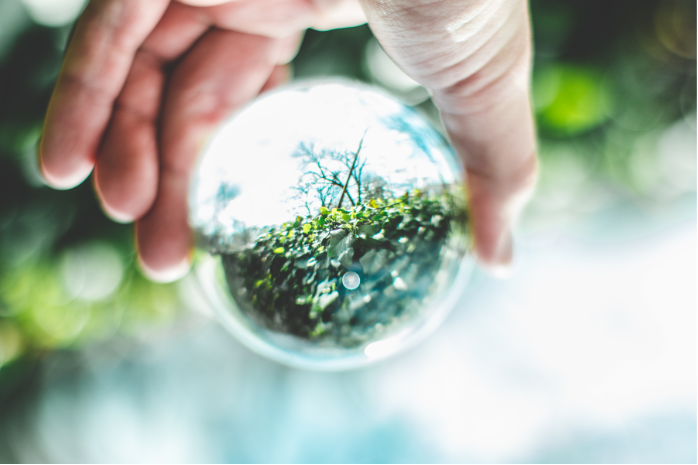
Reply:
x=346, y=275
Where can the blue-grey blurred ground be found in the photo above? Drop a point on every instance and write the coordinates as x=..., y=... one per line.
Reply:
x=587, y=354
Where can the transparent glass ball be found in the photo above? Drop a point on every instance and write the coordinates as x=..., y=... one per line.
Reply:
x=333, y=225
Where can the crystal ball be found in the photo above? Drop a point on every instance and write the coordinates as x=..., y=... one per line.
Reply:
x=331, y=225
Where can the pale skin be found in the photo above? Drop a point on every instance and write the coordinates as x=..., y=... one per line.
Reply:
x=144, y=82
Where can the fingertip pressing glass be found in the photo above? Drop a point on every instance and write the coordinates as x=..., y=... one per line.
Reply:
x=332, y=224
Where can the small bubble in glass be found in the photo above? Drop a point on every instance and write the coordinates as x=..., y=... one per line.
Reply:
x=331, y=224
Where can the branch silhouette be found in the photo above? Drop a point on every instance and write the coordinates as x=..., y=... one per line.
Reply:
x=330, y=177
x=351, y=170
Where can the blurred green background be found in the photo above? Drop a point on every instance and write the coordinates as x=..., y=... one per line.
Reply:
x=614, y=93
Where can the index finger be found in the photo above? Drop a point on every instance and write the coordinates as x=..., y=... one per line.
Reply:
x=96, y=64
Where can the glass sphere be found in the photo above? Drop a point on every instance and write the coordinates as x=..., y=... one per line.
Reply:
x=333, y=224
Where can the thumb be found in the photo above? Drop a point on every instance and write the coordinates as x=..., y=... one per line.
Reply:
x=475, y=59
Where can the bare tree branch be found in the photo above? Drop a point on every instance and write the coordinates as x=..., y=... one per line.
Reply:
x=330, y=176
x=353, y=164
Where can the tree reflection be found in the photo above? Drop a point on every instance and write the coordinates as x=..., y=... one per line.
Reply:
x=329, y=177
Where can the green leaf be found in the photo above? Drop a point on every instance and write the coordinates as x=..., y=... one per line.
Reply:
x=324, y=211
x=369, y=229
x=346, y=257
x=307, y=227
x=319, y=329
x=279, y=250
x=324, y=300
x=339, y=243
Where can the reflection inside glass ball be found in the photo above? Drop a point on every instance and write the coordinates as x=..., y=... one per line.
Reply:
x=334, y=219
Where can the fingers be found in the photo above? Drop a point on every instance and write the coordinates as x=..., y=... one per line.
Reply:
x=281, y=18
x=495, y=204
x=475, y=57
x=126, y=169
x=222, y=72
x=270, y=18
x=204, y=2
x=280, y=75
x=96, y=65
x=488, y=118
x=127, y=166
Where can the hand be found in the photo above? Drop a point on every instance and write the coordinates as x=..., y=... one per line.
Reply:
x=145, y=81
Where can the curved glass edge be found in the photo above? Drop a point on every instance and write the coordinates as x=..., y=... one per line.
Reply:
x=258, y=339
x=231, y=317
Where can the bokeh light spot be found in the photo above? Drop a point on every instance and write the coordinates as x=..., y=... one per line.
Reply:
x=91, y=271
x=570, y=99
x=351, y=280
x=54, y=13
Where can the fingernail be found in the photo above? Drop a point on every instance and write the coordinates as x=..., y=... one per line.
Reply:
x=167, y=275
x=118, y=217
x=115, y=215
x=500, y=264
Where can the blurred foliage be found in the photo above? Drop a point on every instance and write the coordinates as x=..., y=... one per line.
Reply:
x=615, y=99
x=51, y=240
x=611, y=81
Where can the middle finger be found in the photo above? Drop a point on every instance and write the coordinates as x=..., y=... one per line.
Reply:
x=222, y=72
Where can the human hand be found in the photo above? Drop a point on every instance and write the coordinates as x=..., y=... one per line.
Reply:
x=145, y=81
x=475, y=59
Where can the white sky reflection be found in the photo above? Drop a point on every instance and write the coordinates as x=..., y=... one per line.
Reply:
x=252, y=151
